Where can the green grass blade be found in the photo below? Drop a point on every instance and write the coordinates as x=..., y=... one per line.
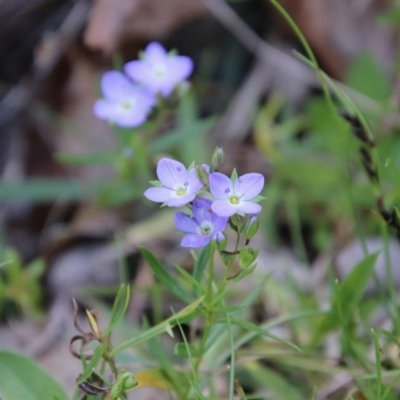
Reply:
x=168, y=281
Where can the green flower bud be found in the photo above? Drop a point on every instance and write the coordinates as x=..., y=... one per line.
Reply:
x=234, y=222
x=202, y=174
x=247, y=256
x=218, y=158
x=251, y=227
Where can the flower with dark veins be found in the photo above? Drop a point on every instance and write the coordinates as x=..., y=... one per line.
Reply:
x=235, y=197
x=178, y=185
x=202, y=227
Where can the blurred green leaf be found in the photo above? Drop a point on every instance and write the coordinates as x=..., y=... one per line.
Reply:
x=77, y=159
x=120, y=305
x=163, y=275
x=260, y=331
x=22, y=379
x=40, y=190
x=366, y=76
x=348, y=295
x=91, y=365
x=189, y=137
x=186, y=350
x=201, y=263
x=186, y=314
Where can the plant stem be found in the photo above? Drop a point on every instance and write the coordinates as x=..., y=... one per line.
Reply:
x=209, y=317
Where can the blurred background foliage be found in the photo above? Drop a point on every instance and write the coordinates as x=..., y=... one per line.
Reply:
x=71, y=184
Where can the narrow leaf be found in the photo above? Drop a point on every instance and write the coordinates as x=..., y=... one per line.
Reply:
x=21, y=378
x=186, y=314
x=119, y=308
x=162, y=274
x=91, y=365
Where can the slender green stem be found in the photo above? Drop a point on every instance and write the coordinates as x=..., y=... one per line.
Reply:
x=209, y=317
x=108, y=357
x=232, y=366
x=307, y=49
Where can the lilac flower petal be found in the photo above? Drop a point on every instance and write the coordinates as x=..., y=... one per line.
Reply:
x=180, y=67
x=249, y=207
x=159, y=194
x=131, y=118
x=116, y=86
x=145, y=98
x=171, y=173
x=185, y=223
x=249, y=186
x=206, y=167
x=201, y=210
x=218, y=236
x=137, y=70
x=166, y=87
x=155, y=53
x=195, y=241
x=218, y=222
x=105, y=109
x=223, y=208
x=220, y=186
x=180, y=201
x=194, y=185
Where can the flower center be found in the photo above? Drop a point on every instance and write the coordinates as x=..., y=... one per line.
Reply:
x=159, y=71
x=126, y=105
x=205, y=228
x=234, y=200
x=181, y=191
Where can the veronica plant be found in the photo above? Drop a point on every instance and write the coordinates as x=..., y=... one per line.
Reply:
x=212, y=203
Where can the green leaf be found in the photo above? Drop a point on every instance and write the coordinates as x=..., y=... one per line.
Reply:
x=91, y=365
x=186, y=350
x=39, y=190
x=190, y=279
x=186, y=314
x=242, y=273
x=247, y=256
x=21, y=378
x=366, y=76
x=162, y=274
x=348, y=295
x=86, y=159
x=352, y=288
x=119, y=308
x=259, y=331
x=201, y=263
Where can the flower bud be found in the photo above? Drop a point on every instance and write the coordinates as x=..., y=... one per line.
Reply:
x=251, y=227
x=220, y=241
x=202, y=174
x=247, y=256
x=234, y=222
x=218, y=158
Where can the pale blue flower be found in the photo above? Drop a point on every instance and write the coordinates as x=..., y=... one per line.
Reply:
x=202, y=227
x=158, y=70
x=123, y=103
x=235, y=197
x=178, y=185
